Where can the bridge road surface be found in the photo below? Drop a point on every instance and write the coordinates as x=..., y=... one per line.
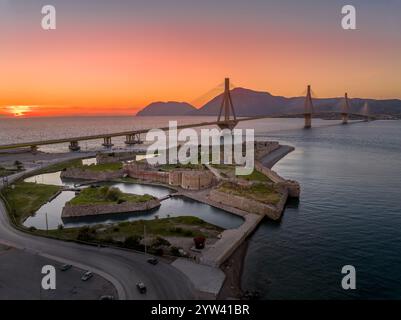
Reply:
x=122, y=268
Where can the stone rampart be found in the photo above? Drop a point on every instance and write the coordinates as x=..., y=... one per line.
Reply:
x=72, y=211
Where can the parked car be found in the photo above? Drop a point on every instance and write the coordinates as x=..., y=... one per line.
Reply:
x=86, y=276
x=153, y=261
x=65, y=267
x=141, y=287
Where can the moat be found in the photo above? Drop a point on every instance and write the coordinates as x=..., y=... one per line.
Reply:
x=173, y=207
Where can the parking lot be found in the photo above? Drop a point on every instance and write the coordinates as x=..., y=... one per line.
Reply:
x=21, y=277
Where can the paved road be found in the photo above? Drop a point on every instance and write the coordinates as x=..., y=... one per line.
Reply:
x=122, y=268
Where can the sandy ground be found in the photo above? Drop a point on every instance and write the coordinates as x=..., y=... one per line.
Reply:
x=20, y=279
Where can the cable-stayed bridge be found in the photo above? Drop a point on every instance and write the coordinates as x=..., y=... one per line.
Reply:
x=227, y=119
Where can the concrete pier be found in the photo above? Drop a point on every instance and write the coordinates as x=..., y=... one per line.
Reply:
x=74, y=146
x=344, y=117
x=345, y=109
x=308, y=108
x=107, y=142
x=132, y=139
x=308, y=121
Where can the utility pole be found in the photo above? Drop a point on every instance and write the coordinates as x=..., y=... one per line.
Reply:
x=144, y=237
x=47, y=225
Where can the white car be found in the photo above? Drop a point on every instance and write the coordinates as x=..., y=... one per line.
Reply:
x=86, y=276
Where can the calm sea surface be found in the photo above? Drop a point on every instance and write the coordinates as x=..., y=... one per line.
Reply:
x=349, y=212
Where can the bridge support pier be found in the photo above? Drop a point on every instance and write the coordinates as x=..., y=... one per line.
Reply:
x=107, y=142
x=344, y=117
x=132, y=139
x=308, y=108
x=74, y=146
x=308, y=120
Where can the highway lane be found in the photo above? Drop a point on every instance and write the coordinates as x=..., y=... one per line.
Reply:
x=123, y=268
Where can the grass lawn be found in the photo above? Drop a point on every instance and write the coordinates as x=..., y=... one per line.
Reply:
x=61, y=166
x=104, y=167
x=259, y=192
x=106, y=195
x=26, y=198
x=229, y=171
x=170, y=167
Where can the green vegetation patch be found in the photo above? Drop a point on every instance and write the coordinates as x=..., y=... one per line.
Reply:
x=107, y=195
x=129, y=234
x=190, y=166
x=261, y=192
x=26, y=198
x=77, y=163
x=6, y=172
x=115, y=166
x=227, y=170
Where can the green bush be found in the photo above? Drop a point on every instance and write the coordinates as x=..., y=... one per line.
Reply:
x=132, y=242
x=85, y=234
x=175, y=251
x=159, y=241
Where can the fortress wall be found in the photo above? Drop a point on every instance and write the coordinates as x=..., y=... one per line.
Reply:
x=196, y=180
x=186, y=179
x=293, y=187
x=263, y=148
x=271, y=211
x=175, y=178
x=71, y=211
x=154, y=176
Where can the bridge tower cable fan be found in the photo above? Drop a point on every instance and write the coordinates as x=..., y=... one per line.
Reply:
x=228, y=108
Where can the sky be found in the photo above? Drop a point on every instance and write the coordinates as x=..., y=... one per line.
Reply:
x=115, y=57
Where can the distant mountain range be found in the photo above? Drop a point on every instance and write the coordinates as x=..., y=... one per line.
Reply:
x=257, y=103
x=171, y=108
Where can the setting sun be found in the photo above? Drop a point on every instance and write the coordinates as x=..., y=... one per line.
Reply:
x=19, y=111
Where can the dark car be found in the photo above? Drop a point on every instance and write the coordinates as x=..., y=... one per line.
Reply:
x=141, y=287
x=65, y=267
x=153, y=261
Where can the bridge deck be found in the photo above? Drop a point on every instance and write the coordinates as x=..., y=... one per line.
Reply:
x=141, y=131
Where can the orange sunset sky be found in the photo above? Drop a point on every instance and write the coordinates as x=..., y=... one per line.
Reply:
x=115, y=57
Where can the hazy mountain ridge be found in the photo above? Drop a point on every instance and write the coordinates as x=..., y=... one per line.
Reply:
x=257, y=103
x=170, y=108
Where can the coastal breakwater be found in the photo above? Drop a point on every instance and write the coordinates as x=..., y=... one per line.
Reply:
x=73, y=211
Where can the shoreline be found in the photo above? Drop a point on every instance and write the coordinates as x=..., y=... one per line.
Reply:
x=233, y=267
x=234, y=264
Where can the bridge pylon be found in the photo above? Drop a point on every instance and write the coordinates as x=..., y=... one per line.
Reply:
x=365, y=112
x=345, y=110
x=308, y=110
x=228, y=108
